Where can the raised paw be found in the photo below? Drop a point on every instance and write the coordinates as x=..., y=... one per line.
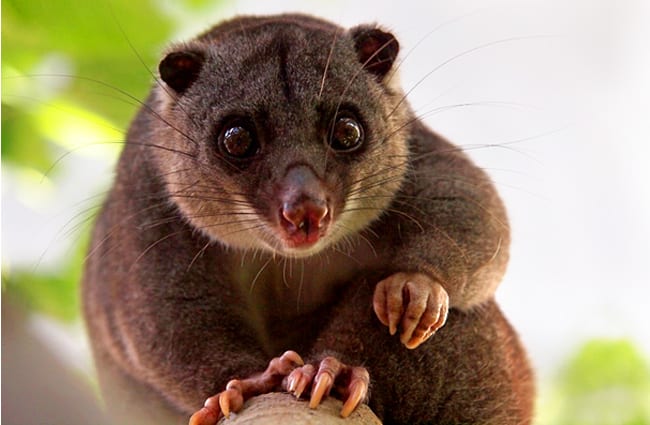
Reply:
x=414, y=301
x=347, y=383
x=239, y=390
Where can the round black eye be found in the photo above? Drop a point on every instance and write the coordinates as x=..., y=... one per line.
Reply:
x=347, y=134
x=238, y=141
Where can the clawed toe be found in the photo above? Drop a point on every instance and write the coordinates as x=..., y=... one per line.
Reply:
x=230, y=400
x=358, y=392
x=299, y=379
x=209, y=414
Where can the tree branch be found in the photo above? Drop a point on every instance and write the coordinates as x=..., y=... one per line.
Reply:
x=282, y=408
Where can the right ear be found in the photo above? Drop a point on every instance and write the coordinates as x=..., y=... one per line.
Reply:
x=180, y=69
x=376, y=49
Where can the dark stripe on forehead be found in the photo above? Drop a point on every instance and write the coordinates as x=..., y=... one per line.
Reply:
x=280, y=45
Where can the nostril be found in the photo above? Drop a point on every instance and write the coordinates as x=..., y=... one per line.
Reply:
x=293, y=214
x=318, y=214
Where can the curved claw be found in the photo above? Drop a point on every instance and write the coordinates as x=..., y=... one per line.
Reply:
x=357, y=395
x=328, y=370
x=322, y=387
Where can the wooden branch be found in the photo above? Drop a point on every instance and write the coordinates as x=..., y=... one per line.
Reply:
x=282, y=408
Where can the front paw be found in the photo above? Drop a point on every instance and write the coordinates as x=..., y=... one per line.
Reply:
x=414, y=301
x=239, y=390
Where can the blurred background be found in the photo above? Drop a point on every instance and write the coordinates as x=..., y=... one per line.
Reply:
x=550, y=97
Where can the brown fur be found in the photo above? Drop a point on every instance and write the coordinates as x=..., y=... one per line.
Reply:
x=184, y=289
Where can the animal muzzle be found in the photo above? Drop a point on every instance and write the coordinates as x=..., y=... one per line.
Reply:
x=305, y=213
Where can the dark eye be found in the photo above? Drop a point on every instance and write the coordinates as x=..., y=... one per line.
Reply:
x=347, y=134
x=238, y=140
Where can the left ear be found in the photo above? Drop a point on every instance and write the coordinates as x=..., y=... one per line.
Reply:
x=180, y=69
x=376, y=49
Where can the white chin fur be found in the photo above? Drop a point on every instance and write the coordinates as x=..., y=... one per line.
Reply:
x=302, y=252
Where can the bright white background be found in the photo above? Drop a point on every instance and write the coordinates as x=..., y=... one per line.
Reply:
x=563, y=95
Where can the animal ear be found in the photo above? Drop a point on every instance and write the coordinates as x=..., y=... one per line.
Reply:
x=180, y=69
x=376, y=49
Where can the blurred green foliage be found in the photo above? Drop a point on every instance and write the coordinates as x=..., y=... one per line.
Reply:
x=68, y=73
x=73, y=74
x=606, y=382
x=96, y=56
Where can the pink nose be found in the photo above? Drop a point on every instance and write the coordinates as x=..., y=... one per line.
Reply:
x=306, y=216
x=304, y=209
x=304, y=222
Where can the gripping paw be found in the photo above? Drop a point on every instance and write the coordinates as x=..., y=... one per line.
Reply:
x=414, y=301
x=239, y=390
x=349, y=384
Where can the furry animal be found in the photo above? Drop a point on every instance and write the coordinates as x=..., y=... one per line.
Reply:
x=277, y=194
